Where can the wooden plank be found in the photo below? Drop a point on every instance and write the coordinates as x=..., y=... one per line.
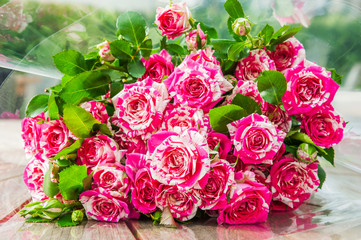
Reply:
x=17, y=228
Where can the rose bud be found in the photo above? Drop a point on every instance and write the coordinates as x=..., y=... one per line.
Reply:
x=191, y=38
x=77, y=216
x=306, y=153
x=241, y=26
x=104, y=51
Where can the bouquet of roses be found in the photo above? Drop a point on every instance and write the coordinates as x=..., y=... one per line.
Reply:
x=189, y=126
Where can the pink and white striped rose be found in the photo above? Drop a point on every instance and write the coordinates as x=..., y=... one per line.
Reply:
x=97, y=109
x=256, y=140
x=224, y=144
x=158, y=66
x=191, y=38
x=31, y=133
x=139, y=108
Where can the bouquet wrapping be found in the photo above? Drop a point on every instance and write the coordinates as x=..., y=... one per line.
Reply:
x=186, y=127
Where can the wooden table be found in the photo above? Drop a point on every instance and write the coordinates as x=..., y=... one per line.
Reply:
x=333, y=213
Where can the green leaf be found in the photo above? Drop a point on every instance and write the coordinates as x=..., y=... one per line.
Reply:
x=321, y=176
x=247, y=103
x=70, y=62
x=235, y=50
x=37, y=220
x=37, y=104
x=121, y=49
x=131, y=25
x=222, y=45
x=221, y=116
x=79, y=121
x=210, y=31
x=329, y=156
x=272, y=85
x=72, y=148
x=3, y=2
x=65, y=221
x=175, y=48
x=50, y=188
x=266, y=34
x=286, y=35
x=234, y=9
x=335, y=76
x=103, y=128
x=136, y=68
x=303, y=137
x=146, y=48
x=280, y=31
x=53, y=107
x=85, y=86
x=71, y=181
x=291, y=149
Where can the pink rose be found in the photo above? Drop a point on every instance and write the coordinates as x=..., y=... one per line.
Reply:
x=31, y=133
x=132, y=145
x=288, y=54
x=191, y=38
x=249, y=89
x=256, y=140
x=220, y=179
x=173, y=20
x=97, y=109
x=139, y=108
x=101, y=206
x=34, y=177
x=260, y=172
x=104, y=51
x=325, y=127
x=292, y=181
x=180, y=160
x=158, y=66
x=55, y=137
x=249, y=203
x=204, y=57
x=249, y=68
x=144, y=192
x=99, y=150
x=196, y=85
x=278, y=117
x=179, y=119
x=308, y=89
x=223, y=142
x=112, y=178
x=182, y=204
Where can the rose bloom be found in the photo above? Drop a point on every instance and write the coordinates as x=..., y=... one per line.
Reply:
x=196, y=85
x=182, y=204
x=33, y=176
x=144, y=192
x=249, y=68
x=104, y=51
x=139, y=108
x=220, y=179
x=101, y=206
x=112, y=178
x=180, y=160
x=292, y=181
x=158, y=66
x=288, y=54
x=179, y=119
x=203, y=57
x=249, y=203
x=191, y=38
x=173, y=20
x=278, y=117
x=324, y=127
x=55, y=137
x=249, y=89
x=99, y=150
x=256, y=140
x=97, y=109
x=131, y=145
x=223, y=142
x=308, y=89
x=31, y=133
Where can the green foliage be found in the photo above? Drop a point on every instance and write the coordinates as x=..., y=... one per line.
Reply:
x=283, y=34
x=131, y=26
x=37, y=104
x=221, y=116
x=235, y=50
x=136, y=68
x=50, y=188
x=321, y=176
x=53, y=110
x=146, y=48
x=234, y=9
x=79, y=121
x=266, y=34
x=37, y=220
x=70, y=62
x=122, y=50
x=222, y=45
x=247, y=103
x=71, y=149
x=71, y=181
x=66, y=221
x=272, y=86
x=329, y=156
x=335, y=76
x=85, y=86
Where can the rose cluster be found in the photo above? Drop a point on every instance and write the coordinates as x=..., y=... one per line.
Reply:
x=162, y=152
